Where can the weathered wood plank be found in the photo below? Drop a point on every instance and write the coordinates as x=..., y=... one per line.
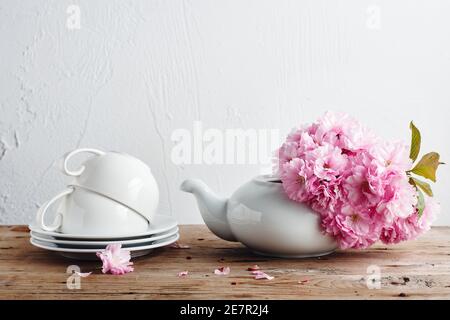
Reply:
x=416, y=270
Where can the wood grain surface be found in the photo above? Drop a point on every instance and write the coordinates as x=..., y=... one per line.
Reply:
x=416, y=270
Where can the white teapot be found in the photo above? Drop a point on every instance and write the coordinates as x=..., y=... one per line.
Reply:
x=262, y=217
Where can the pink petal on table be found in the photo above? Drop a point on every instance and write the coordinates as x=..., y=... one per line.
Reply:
x=177, y=245
x=183, y=273
x=115, y=260
x=83, y=274
x=222, y=271
x=254, y=268
x=261, y=275
x=303, y=281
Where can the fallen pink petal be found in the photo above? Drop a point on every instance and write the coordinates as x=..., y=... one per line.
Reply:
x=183, y=273
x=254, y=268
x=222, y=271
x=115, y=260
x=303, y=281
x=261, y=275
x=83, y=274
x=177, y=245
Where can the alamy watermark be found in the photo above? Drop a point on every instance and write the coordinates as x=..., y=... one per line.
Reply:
x=73, y=282
x=373, y=280
x=229, y=146
x=73, y=21
x=373, y=17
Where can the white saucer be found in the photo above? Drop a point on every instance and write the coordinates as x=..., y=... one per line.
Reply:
x=59, y=248
x=161, y=223
x=102, y=244
x=93, y=257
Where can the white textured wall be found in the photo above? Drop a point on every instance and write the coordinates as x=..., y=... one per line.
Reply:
x=137, y=70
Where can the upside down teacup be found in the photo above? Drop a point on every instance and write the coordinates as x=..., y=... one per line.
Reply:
x=118, y=176
x=84, y=212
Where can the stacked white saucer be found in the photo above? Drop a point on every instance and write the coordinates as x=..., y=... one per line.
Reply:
x=163, y=232
x=112, y=199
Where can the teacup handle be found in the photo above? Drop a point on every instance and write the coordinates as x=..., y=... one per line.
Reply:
x=58, y=219
x=75, y=173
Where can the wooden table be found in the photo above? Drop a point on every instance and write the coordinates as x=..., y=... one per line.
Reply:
x=415, y=270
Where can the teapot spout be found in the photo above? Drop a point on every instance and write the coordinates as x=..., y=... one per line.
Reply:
x=212, y=208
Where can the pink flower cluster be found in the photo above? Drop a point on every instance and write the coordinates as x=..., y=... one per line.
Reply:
x=355, y=180
x=115, y=259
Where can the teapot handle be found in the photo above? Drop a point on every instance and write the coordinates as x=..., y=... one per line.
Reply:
x=58, y=219
x=76, y=173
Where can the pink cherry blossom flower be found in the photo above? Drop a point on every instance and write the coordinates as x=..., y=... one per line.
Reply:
x=411, y=227
x=341, y=130
x=355, y=180
x=83, y=274
x=261, y=275
x=295, y=176
x=115, y=260
x=222, y=271
x=392, y=155
x=183, y=273
x=177, y=245
x=353, y=228
x=329, y=162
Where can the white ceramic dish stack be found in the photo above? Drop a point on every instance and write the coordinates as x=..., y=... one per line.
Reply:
x=162, y=233
x=112, y=198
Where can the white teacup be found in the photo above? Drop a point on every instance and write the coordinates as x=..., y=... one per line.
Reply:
x=118, y=176
x=85, y=212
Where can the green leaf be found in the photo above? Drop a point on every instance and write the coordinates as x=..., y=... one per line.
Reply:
x=415, y=142
x=422, y=185
x=420, y=203
x=427, y=166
